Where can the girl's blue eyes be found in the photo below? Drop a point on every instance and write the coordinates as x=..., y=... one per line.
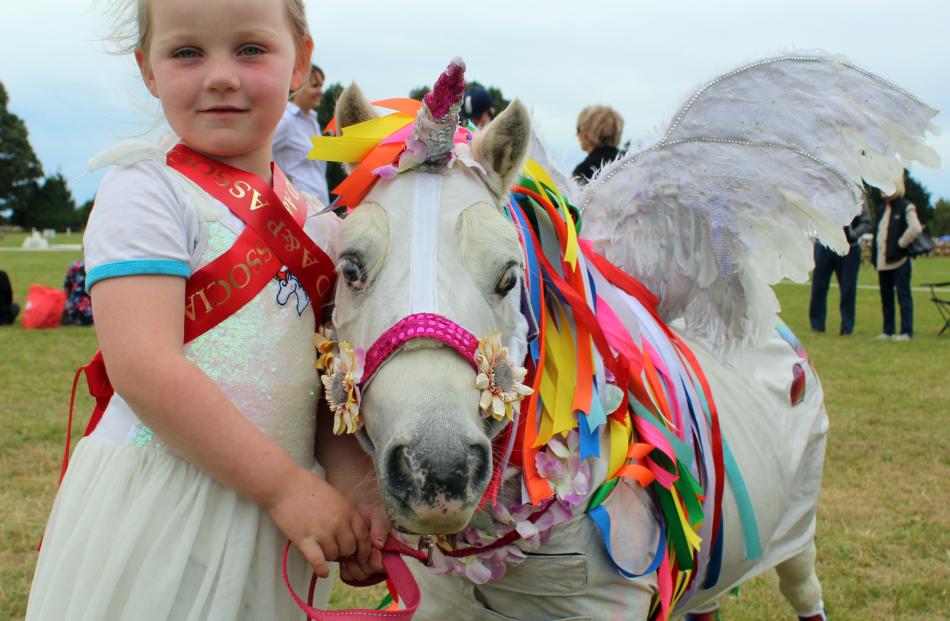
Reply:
x=189, y=53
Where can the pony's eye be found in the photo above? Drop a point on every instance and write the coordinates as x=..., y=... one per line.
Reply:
x=508, y=281
x=353, y=272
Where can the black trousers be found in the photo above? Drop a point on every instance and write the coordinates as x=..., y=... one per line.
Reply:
x=845, y=268
x=898, y=279
x=8, y=314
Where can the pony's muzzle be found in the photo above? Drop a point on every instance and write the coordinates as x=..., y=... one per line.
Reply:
x=433, y=483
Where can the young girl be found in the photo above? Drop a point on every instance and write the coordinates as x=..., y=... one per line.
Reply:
x=178, y=505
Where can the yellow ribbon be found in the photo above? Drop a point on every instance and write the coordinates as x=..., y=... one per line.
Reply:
x=534, y=170
x=357, y=140
x=619, y=444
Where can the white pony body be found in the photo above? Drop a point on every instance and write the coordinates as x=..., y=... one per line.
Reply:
x=425, y=394
x=439, y=241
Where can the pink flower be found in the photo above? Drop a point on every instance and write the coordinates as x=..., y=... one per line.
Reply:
x=386, y=172
x=568, y=474
x=480, y=568
x=562, y=466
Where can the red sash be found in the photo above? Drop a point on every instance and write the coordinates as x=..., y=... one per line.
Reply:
x=273, y=237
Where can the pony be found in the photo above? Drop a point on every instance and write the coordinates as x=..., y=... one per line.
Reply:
x=607, y=420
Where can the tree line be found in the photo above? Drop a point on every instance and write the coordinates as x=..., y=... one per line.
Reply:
x=30, y=199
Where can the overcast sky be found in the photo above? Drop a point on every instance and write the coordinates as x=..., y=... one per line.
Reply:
x=641, y=56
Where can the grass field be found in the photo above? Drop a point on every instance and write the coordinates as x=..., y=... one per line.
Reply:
x=883, y=532
x=15, y=240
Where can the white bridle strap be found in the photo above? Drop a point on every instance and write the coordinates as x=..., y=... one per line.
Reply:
x=424, y=243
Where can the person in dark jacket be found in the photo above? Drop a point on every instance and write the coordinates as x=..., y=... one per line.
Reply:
x=598, y=130
x=478, y=107
x=845, y=269
x=8, y=308
x=897, y=228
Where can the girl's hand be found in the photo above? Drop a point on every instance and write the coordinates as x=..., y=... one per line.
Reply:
x=350, y=469
x=370, y=510
x=317, y=519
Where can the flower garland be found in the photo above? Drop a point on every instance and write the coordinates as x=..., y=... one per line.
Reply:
x=571, y=478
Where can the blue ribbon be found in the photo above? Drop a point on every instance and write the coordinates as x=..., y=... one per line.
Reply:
x=602, y=521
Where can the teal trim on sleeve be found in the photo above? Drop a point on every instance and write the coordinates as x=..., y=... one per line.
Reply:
x=136, y=267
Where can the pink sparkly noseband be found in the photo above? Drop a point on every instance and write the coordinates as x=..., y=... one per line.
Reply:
x=419, y=326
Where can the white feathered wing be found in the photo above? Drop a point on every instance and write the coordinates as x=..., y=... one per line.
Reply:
x=755, y=165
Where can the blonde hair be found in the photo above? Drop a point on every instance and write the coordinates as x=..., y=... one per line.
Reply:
x=899, y=189
x=133, y=24
x=601, y=125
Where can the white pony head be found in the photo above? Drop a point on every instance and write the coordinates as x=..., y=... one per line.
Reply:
x=432, y=244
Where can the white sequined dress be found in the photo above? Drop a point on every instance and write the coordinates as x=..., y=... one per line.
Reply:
x=138, y=533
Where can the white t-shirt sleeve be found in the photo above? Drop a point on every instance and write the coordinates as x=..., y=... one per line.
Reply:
x=141, y=223
x=280, y=150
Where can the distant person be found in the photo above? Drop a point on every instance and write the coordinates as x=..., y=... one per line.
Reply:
x=845, y=269
x=292, y=141
x=598, y=130
x=478, y=107
x=897, y=228
x=8, y=308
x=78, y=310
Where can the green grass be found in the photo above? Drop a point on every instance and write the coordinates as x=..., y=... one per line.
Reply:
x=15, y=240
x=883, y=542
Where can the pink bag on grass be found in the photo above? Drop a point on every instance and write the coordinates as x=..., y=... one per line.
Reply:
x=44, y=307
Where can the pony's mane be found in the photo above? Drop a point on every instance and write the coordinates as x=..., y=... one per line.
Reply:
x=607, y=371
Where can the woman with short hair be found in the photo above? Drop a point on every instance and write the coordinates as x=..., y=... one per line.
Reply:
x=598, y=130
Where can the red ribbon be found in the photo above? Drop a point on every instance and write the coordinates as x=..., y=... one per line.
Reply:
x=259, y=206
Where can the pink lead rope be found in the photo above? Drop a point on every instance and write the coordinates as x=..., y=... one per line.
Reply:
x=398, y=575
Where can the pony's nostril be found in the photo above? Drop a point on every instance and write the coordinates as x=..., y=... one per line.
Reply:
x=399, y=467
x=480, y=460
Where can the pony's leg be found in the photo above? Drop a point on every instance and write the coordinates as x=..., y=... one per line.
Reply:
x=799, y=584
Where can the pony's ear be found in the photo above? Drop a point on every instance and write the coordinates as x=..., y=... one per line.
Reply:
x=352, y=107
x=502, y=147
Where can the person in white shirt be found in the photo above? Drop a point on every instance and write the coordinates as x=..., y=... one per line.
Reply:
x=292, y=140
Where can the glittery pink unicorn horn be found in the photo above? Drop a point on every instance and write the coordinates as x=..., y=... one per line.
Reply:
x=439, y=117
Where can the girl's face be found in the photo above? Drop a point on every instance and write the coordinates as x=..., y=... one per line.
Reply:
x=222, y=70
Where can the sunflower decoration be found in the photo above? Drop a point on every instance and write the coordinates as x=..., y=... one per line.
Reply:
x=325, y=342
x=342, y=370
x=499, y=379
